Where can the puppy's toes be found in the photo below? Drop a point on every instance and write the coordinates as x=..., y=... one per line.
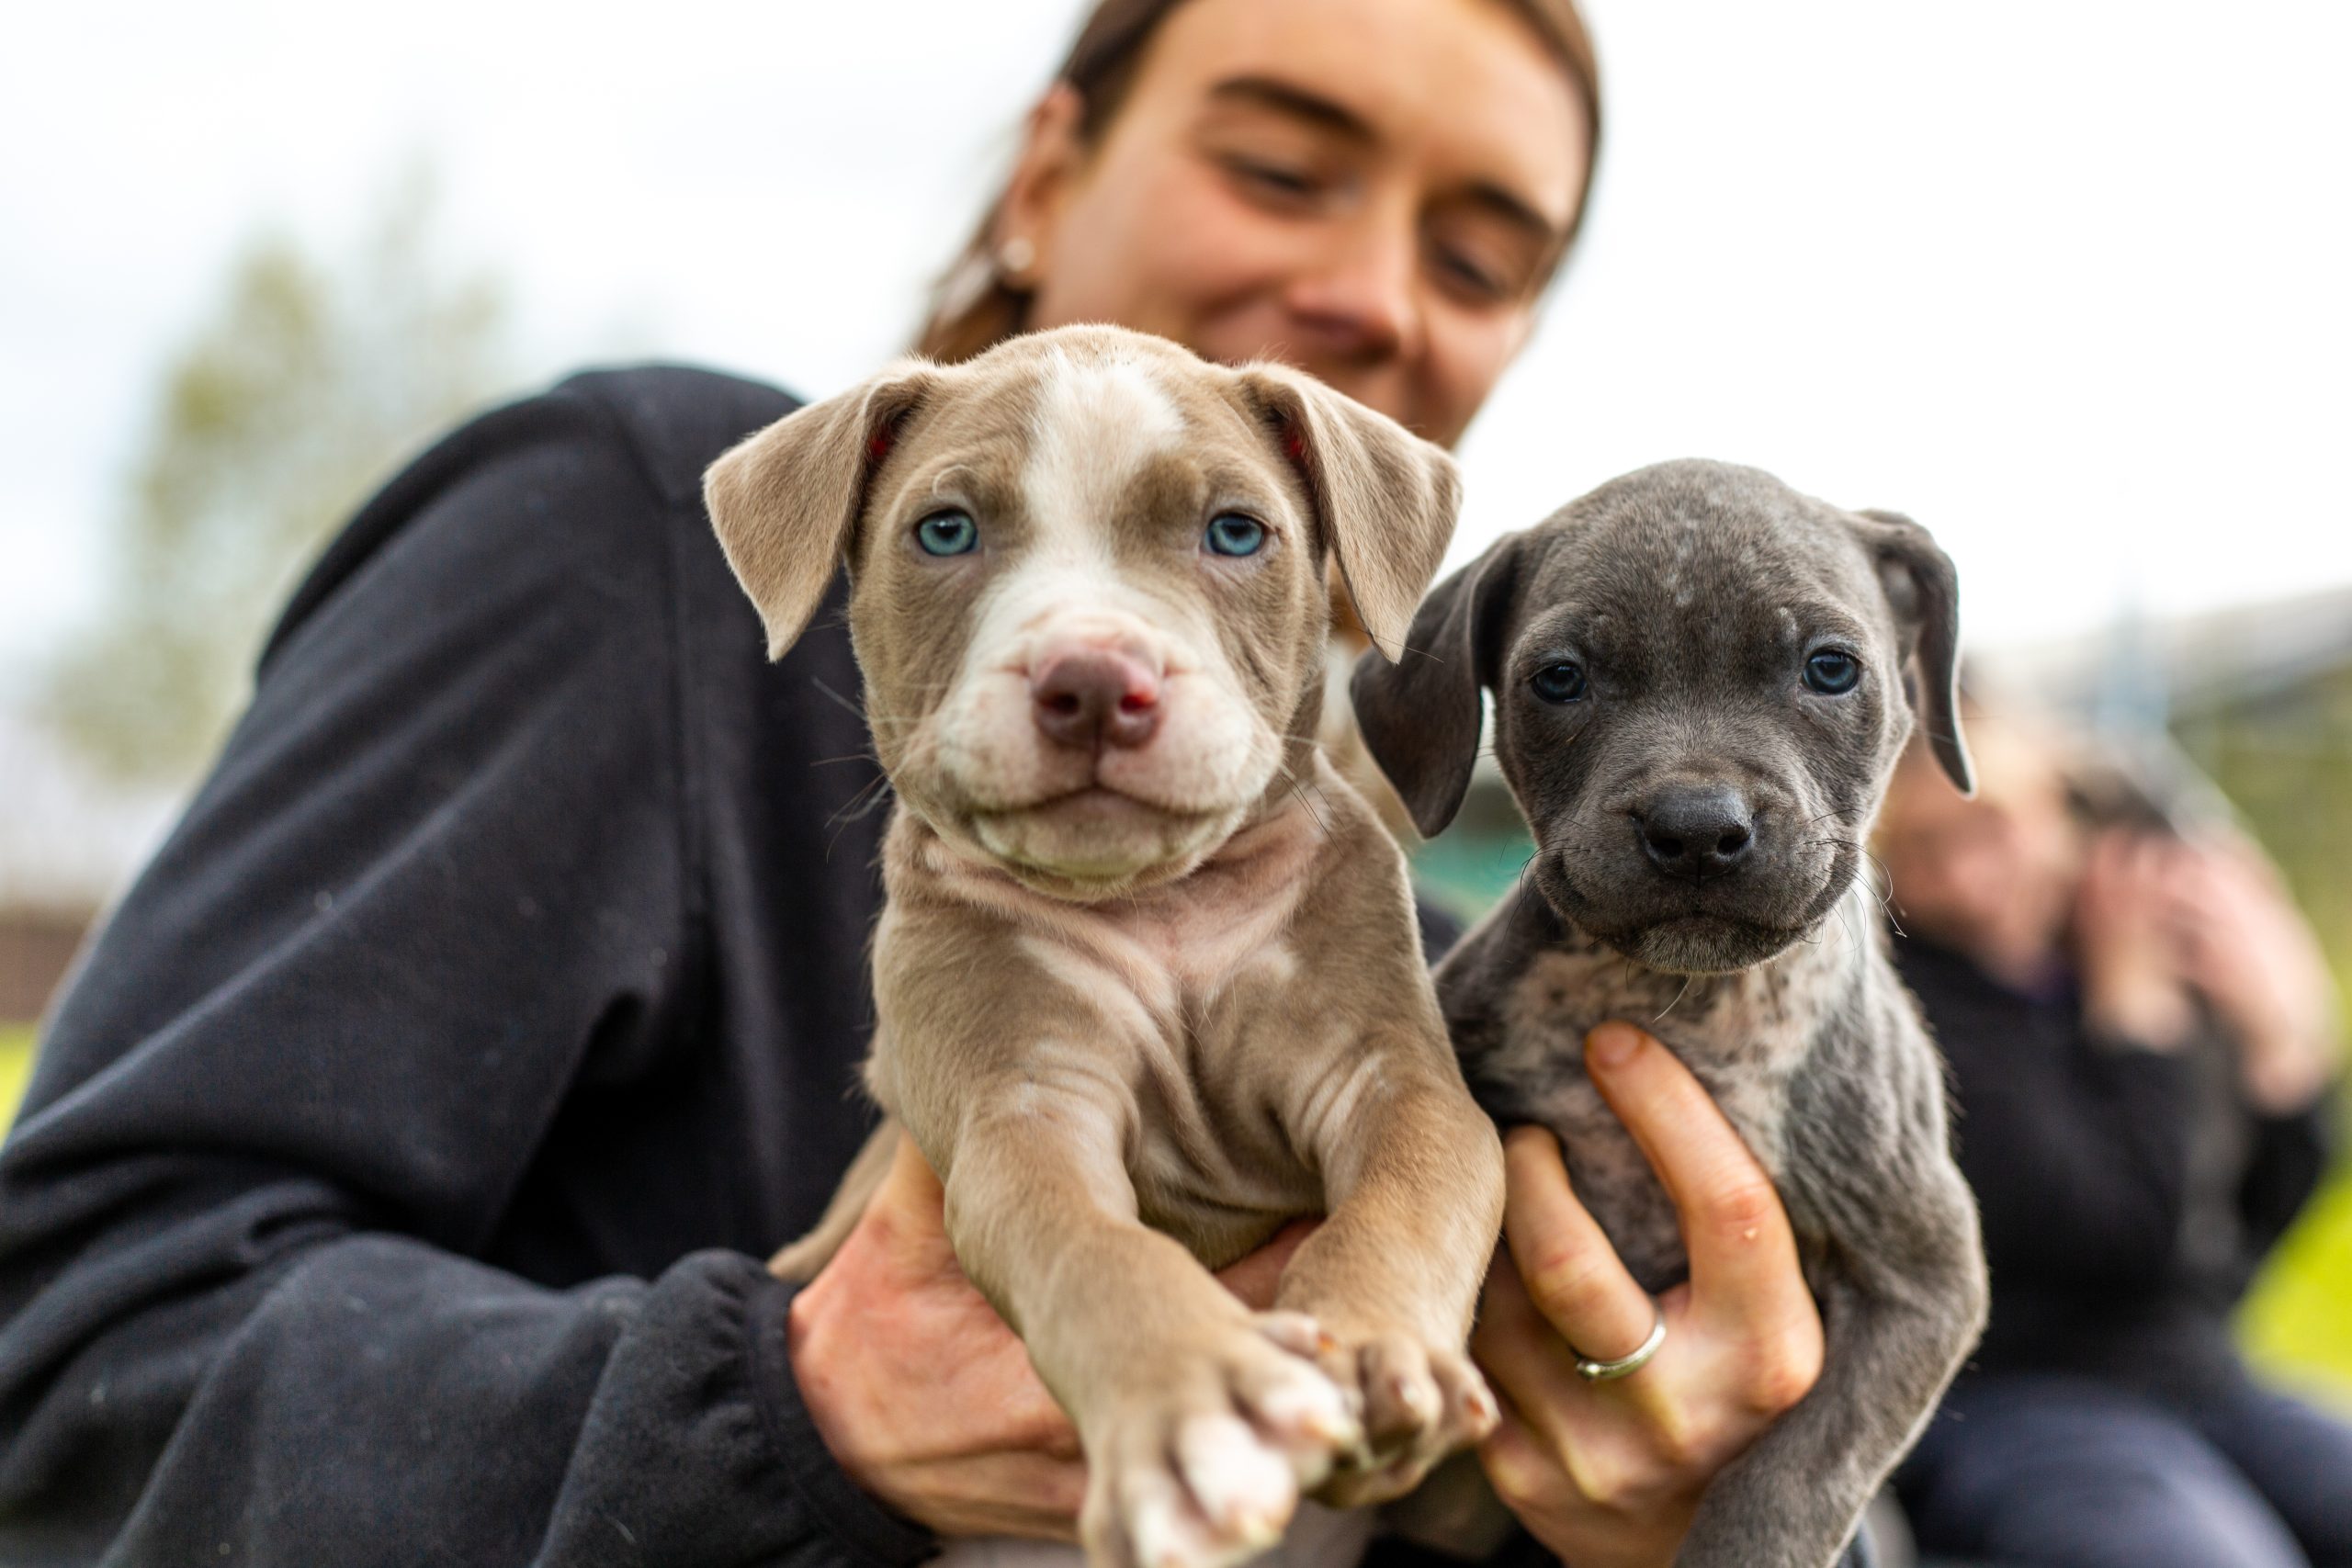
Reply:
x=1420, y=1405
x=1470, y=1411
x=1200, y=1463
x=1294, y=1332
x=1291, y=1401
x=1138, y=1516
x=1401, y=1399
x=1245, y=1490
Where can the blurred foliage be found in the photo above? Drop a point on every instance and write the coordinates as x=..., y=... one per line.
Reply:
x=2285, y=758
x=310, y=379
x=16, y=1066
x=2297, y=1323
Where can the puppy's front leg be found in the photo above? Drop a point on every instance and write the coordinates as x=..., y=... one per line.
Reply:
x=1894, y=1332
x=1201, y=1420
x=1414, y=1181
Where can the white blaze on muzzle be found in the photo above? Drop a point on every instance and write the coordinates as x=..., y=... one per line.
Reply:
x=1077, y=678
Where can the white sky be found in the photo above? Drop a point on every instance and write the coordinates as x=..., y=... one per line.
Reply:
x=2066, y=279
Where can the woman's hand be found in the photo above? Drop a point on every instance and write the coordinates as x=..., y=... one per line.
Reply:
x=1608, y=1475
x=2125, y=941
x=2161, y=922
x=2250, y=953
x=923, y=1393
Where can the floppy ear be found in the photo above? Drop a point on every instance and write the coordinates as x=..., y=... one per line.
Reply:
x=1386, y=499
x=786, y=499
x=1420, y=715
x=1925, y=593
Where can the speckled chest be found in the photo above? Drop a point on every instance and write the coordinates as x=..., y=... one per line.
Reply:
x=1744, y=1036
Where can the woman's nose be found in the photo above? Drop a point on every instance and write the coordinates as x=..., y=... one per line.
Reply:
x=1363, y=304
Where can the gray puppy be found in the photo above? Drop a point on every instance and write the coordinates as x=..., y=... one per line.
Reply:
x=1701, y=680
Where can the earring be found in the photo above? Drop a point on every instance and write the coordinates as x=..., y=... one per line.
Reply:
x=1015, y=256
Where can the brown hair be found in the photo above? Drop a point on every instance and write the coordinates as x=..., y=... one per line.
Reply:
x=974, y=307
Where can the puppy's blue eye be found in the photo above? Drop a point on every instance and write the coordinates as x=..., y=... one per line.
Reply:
x=947, y=534
x=1833, y=672
x=1559, y=682
x=1234, y=535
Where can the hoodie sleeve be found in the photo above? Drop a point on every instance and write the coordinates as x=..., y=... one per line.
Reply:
x=434, y=880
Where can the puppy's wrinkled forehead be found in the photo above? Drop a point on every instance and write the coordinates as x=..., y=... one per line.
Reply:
x=1096, y=427
x=1681, y=575
x=1080, y=441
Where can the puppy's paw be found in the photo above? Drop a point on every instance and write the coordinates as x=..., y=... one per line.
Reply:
x=1198, y=1462
x=1417, y=1402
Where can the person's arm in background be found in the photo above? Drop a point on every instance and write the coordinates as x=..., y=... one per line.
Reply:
x=2075, y=1137
x=433, y=883
x=2255, y=961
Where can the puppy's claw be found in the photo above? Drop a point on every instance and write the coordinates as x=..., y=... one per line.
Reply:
x=1292, y=1331
x=1315, y=1412
x=1466, y=1396
x=1419, y=1404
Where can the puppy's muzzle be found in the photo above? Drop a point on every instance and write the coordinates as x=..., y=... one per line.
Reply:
x=1696, y=833
x=1087, y=698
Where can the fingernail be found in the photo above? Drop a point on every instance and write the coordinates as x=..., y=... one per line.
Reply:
x=1612, y=1044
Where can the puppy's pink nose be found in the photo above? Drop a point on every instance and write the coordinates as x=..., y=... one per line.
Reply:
x=1092, y=697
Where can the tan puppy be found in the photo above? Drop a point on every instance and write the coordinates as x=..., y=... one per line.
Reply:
x=1148, y=980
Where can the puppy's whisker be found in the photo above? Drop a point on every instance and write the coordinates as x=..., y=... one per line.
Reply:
x=1295, y=789
x=1321, y=825
x=1677, y=998
x=855, y=809
x=1883, y=894
x=1886, y=897
x=864, y=791
x=1523, y=882
x=843, y=702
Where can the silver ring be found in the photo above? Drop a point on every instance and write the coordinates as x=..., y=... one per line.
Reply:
x=1624, y=1366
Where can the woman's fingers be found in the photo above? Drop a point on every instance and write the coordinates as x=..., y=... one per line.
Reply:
x=908, y=1212
x=905, y=1227
x=1743, y=1253
x=1571, y=1273
x=1527, y=1361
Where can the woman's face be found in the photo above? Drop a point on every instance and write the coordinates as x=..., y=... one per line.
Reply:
x=1993, y=876
x=1371, y=190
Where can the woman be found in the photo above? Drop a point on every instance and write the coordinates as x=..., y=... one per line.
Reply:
x=2142, y=1036
x=395, y=1178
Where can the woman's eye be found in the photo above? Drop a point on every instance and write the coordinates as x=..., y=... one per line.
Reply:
x=1234, y=535
x=1833, y=672
x=947, y=534
x=1559, y=682
x=1280, y=181
x=1468, y=276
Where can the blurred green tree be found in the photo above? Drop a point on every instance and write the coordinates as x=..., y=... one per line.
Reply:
x=308, y=379
x=2284, y=756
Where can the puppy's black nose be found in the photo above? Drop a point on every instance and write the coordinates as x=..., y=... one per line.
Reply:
x=1698, y=831
x=1091, y=697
